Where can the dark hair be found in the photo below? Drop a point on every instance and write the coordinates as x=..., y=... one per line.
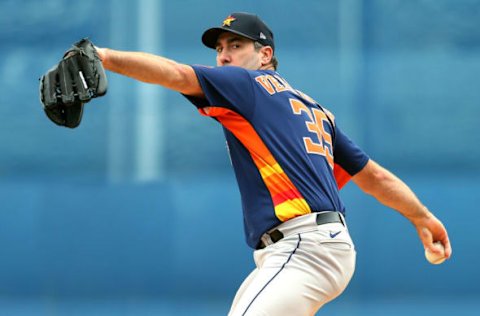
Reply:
x=273, y=61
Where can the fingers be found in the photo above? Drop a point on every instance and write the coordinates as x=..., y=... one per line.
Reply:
x=91, y=78
x=60, y=94
x=440, y=235
x=427, y=239
x=66, y=83
x=50, y=95
x=426, y=236
x=49, y=87
x=84, y=64
x=80, y=76
x=448, y=247
x=434, y=232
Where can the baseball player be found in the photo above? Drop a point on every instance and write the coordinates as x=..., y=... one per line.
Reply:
x=290, y=160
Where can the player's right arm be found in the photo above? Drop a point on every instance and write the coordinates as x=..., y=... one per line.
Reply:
x=152, y=69
x=388, y=189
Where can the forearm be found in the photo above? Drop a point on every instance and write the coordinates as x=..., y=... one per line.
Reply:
x=152, y=69
x=391, y=191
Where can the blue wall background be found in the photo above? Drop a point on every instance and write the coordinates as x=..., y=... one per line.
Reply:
x=136, y=212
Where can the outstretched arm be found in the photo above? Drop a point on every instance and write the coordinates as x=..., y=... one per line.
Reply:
x=389, y=190
x=152, y=69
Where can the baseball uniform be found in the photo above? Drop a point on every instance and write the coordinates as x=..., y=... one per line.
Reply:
x=290, y=159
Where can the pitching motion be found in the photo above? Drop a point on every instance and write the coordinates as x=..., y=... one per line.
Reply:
x=289, y=155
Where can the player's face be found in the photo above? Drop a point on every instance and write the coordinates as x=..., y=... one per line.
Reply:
x=235, y=50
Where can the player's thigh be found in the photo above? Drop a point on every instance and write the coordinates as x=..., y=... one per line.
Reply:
x=332, y=259
x=246, y=284
x=296, y=277
x=270, y=263
x=288, y=293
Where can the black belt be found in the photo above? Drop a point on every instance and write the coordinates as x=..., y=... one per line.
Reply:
x=322, y=218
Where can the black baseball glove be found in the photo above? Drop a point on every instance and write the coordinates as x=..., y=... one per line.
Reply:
x=74, y=81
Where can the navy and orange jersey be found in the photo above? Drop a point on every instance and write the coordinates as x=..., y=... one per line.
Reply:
x=289, y=156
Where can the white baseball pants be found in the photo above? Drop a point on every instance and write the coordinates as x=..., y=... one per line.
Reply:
x=295, y=276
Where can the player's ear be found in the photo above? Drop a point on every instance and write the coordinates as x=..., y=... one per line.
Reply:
x=267, y=54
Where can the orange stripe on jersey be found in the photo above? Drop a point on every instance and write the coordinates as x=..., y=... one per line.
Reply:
x=286, y=195
x=341, y=176
x=291, y=209
x=287, y=200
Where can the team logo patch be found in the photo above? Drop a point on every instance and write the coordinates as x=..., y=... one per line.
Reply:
x=228, y=20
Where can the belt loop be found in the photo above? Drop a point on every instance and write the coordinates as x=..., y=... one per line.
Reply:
x=276, y=235
x=329, y=217
x=342, y=219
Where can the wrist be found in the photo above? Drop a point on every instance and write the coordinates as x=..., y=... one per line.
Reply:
x=102, y=54
x=420, y=217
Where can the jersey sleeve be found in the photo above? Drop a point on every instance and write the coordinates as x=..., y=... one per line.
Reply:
x=225, y=87
x=349, y=159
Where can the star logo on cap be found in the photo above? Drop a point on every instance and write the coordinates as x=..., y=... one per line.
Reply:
x=228, y=20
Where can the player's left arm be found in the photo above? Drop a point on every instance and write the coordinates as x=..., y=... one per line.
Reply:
x=388, y=189
x=153, y=69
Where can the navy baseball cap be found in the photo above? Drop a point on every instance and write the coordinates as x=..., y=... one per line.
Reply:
x=245, y=24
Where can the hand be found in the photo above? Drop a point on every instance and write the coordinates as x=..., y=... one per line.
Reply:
x=430, y=230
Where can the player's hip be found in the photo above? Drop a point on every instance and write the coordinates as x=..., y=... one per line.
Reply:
x=310, y=265
x=326, y=227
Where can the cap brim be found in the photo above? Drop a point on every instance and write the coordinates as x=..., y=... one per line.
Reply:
x=210, y=36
